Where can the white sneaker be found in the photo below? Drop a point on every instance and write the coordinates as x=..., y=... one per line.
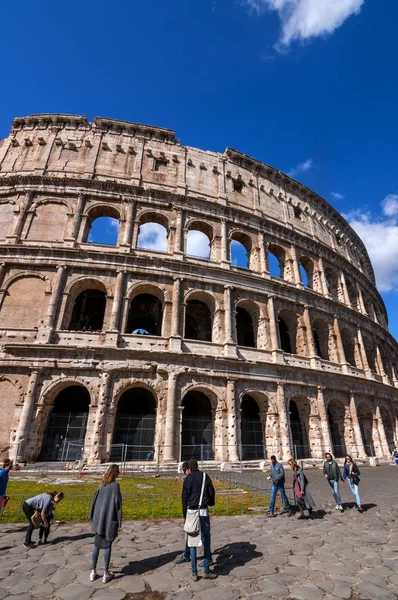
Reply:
x=341, y=509
x=93, y=576
x=337, y=507
x=107, y=577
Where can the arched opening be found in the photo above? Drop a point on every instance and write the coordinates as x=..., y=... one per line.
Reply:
x=336, y=413
x=197, y=427
x=104, y=230
x=276, y=258
x=145, y=315
x=252, y=430
x=198, y=321
x=365, y=418
x=352, y=294
x=333, y=284
x=388, y=427
x=244, y=328
x=198, y=244
x=240, y=250
x=88, y=311
x=299, y=410
x=134, y=430
x=287, y=322
x=371, y=355
x=152, y=236
x=320, y=333
x=66, y=426
x=348, y=341
x=306, y=267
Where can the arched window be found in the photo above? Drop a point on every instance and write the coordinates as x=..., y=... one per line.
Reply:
x=320, y=332
x=240, y=249
x=197, y=427
x=348, y=341
x=66, y=427
x=198, y=321
x=252, y=435
x=152, y=236
x=198, y=244
x=370, y=351
x=276, y=258
x=352, y=294
x=333, y=284
x=306, y=267
x=88, y=311
x=244, y=328
x=287, y=321
x=104, y=230
x=134, y=430
x=336, y=415
x=145, y=315
x=299, y=410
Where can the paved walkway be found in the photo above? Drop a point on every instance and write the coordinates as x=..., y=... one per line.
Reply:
x=335, y=556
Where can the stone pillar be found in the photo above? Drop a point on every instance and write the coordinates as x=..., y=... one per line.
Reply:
x=169, y=454
x=322, y=278
x=340, y=347
x=75, y=226
x=362, y=353
x=117, y=301
x=232, y=423
x=262, y=329
x=384, y=449
x=272, y=324
x=361, y=301
x=16, y=234
x=128, y=228
x=315, y=435
x=380, y=366
x=263, y=255
x=308, y=328
x=178, y=233
x=229, y=344
x=356, y=428
x=344, y=289
x=136, y=231
x=272, y=441
x=3, y=271
x=324, y=421
x=55, y=296
x=97, y=450
x=225, y=258
x=176, y=335
x=284, y=423
x=25, y=419
x=295, y=265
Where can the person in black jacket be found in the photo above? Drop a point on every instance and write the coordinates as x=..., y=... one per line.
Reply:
x=190, y=499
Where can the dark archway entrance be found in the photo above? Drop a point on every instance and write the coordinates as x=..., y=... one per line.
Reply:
x=134, y=430
x=298, y=417
x=252, y=436
x=66, y=427
x=365, y=418
x=88, y=311
x=197, y=427
x=244, y=328
x=145, y=315
x=197, y=321
x=284, y=336
x=336, y=427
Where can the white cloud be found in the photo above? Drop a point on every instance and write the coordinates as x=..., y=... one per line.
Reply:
x=336, y=195
x=152, y=236
x=305, y=19
x=301, y=168
x=380, y=236
x=198, y=244
x=113, y=223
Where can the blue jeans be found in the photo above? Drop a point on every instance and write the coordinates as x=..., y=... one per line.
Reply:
x=279, y=487
x=206, y=541
x=335, y=490
x=107, y=558
x=355, y=490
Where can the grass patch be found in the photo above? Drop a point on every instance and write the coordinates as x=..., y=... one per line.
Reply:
x=161, y=501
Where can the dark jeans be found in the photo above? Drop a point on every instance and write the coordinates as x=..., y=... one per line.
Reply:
x=187, y=551
x=44, y=531
x=29, y=512
x=206, y=541
x=107, y=558
x=279, y=487
x=301, y=504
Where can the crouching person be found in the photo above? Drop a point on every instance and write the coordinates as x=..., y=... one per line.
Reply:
x=197, y=495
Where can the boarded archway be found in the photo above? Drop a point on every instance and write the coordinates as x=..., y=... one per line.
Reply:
x=197, y=427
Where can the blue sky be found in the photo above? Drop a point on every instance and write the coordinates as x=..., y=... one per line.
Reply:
x=308, y=86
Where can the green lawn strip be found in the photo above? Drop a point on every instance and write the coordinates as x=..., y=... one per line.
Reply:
x=161, y=501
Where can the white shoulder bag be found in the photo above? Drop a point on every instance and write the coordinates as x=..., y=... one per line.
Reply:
x=192, y=521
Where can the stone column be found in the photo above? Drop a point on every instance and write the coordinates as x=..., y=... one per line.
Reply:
x=178, y=232
x=322, y=278
x=117, y=301
x=340, y=347
x=324, y=421
x=380, y=366
x=356, y=428
x=315, y=435
x=16, y=234
x=263, y=255
x=284, y=423
x=384, y=449
x=176, y=335
x=344, y=289
x=55, y=296
x=262, y=329
x=3, y=271
x=136, y=231
x=361, y=301
x=19, y=450
x=225, y=258
x=97, y=450
x=308, y=329
x=75, y=226
x=229, y=344
x=362, y=353
x=233, y=454
x=169, y=454
x=128, y=228
x=272, y=324
x=295, y=265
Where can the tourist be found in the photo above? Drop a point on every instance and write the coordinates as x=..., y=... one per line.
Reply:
x=106, y=514
x=42, y=504
x=304, y=500
x=198, y=493
x=186, y=555
x=7, y=466
x=331, y=472
x=277, y=477
x=395, y=456
x=351, y=474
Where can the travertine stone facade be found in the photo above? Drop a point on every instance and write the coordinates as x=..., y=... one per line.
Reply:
x=238, y=361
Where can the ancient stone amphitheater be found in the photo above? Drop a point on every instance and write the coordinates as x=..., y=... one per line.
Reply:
x=129, y=353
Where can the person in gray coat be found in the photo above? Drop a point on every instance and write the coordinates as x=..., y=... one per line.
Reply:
x=106, y=514
x=304, y=499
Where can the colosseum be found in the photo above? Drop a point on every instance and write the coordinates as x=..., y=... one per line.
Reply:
x=128, y=352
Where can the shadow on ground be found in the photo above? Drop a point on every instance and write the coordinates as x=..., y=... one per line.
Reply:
x=139, y=567
x=234, y=555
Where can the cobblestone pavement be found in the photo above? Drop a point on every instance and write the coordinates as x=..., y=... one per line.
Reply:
x=335, y=556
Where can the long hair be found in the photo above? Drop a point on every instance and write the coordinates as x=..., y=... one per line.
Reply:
x=59, y=494
x=110, y=474
x=354, y=464
x=293, y=463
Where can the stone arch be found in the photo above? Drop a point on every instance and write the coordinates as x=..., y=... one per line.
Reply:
x=352, y=293
x=348, y=341
x=195, y=245
x=276, y=261
x=104, y=214
x=365, y=419
x=333, y=284
x=336, y=418
x=86, y=306
x=288, y=321
x=299, y=413
x=134, y=428
x=11, y=395
x=320, y=334
x=388, y=424
x=48, y=220
x=370, y=351
x=197, y=425
x=20, y=310
x=154, y=231
x=199, y=315
x=241, y=250
x=65, y=429
x=246, y=322
x=307, y=272
x=145, y=314
x=253, y=415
